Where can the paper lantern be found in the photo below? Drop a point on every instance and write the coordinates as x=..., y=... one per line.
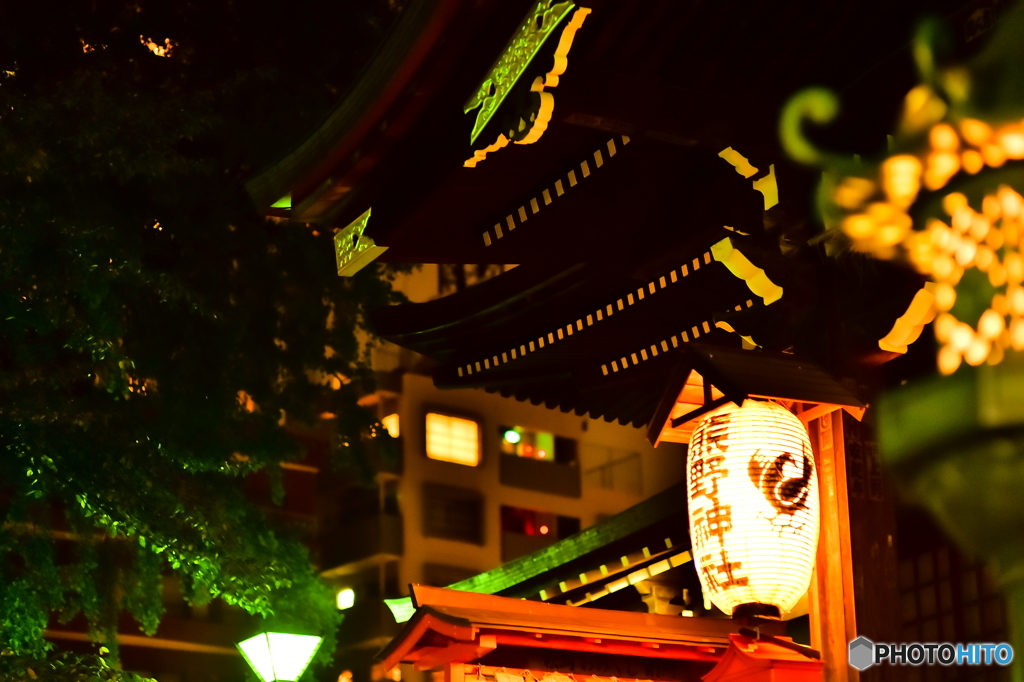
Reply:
x=279, y=657
x=753, y=505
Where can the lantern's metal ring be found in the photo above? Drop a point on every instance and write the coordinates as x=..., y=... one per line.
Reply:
x=763, y=611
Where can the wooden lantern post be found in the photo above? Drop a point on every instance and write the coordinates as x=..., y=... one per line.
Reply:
x=712, y=377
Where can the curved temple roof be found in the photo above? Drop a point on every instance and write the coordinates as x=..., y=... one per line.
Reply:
x=670, y=74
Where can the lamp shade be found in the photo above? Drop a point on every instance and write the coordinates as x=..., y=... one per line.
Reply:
x=278, y=657
x=753, y=505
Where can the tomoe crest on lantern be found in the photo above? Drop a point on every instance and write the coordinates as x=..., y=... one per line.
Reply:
x=753, y=507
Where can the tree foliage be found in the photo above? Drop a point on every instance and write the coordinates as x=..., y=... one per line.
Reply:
x=153, y=327
x=62, y=667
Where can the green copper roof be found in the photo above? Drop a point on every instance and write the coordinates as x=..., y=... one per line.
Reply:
x=634, y=519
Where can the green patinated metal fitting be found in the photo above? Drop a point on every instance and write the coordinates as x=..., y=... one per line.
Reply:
x=353, y=250
x=664, y=504
x=536, y=28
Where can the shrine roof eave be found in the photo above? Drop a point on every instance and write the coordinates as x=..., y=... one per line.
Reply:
x=634, y=71
x=388, y=97
x=520, y=286
x=471, y=625
x=629, y=397
x=382, y=81
x=536, y=300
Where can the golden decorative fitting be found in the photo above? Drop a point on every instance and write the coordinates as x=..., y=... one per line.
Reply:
x=767, y=185
x=908, y=327
x=739, y=265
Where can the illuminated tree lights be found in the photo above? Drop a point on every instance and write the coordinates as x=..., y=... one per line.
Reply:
x=948, y=196
x=753, y=506
x=987, y=240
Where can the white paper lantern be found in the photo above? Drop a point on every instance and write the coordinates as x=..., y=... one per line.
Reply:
x=753, y=505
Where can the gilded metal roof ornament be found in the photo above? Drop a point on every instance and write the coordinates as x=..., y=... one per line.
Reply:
x=536, y=28
x=353, y=250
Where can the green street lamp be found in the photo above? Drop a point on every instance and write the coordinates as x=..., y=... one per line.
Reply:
x=277, y=657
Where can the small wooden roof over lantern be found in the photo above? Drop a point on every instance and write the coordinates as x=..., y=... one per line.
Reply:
x=453, y=628
x=711, y=376
x=485, y=638
x=768, y=659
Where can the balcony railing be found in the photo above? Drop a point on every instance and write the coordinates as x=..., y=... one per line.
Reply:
x=545, y=477
x=612, y=468
x=515, y=545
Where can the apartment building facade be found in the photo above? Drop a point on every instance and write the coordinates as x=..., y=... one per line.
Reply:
x=477, y=481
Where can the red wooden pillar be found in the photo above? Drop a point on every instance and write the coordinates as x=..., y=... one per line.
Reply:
x=832, y=612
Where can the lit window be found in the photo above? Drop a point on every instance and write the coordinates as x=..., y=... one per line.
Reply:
x=541, y=445
x=390, y=423
x=525, y=531
x=530, y=522
x=346, y=599
x=451, y=439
